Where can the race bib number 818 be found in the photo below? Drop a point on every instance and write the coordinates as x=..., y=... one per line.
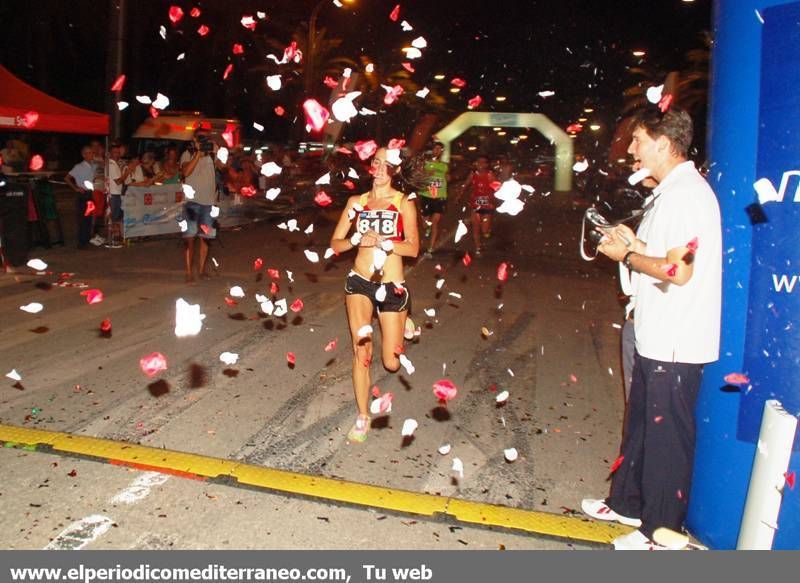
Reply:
x=383, y=222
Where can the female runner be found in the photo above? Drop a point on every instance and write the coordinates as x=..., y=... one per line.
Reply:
x=385, y=232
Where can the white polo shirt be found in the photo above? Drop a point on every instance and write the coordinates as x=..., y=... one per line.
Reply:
x=681, y=323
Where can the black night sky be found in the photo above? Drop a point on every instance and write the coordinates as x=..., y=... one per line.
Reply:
x=580, y=49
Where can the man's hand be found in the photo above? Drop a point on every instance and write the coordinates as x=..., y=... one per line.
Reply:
x=613, y=246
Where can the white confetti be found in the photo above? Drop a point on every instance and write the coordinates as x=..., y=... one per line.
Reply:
x=312, y=256
x=229, y=358
x=351, y=173
x=364, y=331
x=654, y=94
x=188, y=191
x=236, y=292
x=430, y=312
x=439, y=283
x=760, y=18
x=393, y=156
x=419, y=42
x=32, y=308
x=461, y=230
x=274, y=82
x=580, y=166
x=509, y=190
x=324, y=179
x=309, y=229
x=343, y=109
x=511, y=372
x=161, y=101
x=37, y=264
x=444, y=449
x=258, y=126
x=511, y=454
x=406, y=26
x=406, y=363
x=214, y=211
x=281, y=308
x=88, y=184
x=271, y=169
x=409, y=426
x=455, y=295
x=387, y=245
x=162, y=32
x=291, y=224
x=329, y=252
x=458, y=467
x=122, y=105
x=546, y=94
x=261, y=298
x=14, y=375
x=380, y=294
x=412, y=53
x=766, y=191
x=183, y=225
x=611, y=372
x=222, y=155
x=181, y=57
x=378, y=258
x=423, y=93
x=273, y=193
x=502, y=397
x=638, y=176
x=511, y=207
x=188, y=319
x=267, y=307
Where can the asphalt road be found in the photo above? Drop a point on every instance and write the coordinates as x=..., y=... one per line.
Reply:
x=552, y=344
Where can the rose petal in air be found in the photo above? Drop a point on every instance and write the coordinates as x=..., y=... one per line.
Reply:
x=365, y=149
x=444, y=390
x=323, y=199
x=395, y=13
x=475, y=102
x=467, y=259
x=297, y=305
x=175, y=14
x=118, y=84
x=93, y=296
x=291, y=358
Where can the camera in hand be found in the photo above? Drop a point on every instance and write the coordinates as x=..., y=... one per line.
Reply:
x=590, y=237
x=206, y=146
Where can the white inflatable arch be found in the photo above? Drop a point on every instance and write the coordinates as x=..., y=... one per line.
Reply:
x=537, y=121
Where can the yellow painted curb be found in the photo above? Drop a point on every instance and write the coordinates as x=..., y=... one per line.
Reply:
x=328, y=489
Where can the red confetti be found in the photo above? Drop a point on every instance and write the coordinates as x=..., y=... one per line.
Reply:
x=366, y=149
x=230, y=301
x=248, y=191
x=297, y=305
x=322, y=199
x=475, y=102
x=273, y=288
x=279, y=110
x=502, y=271
x=36, y=164
x=617, y=463
x=737, y=378
x=195, y=12
x=376, y=392
x=117, y=86
x=89, y=208
x=666, y=102
x=679, y=494
x=573, y=378
x=105, y=326
x=444, y=390
x=396, y=143
x=399, y=349
x=248, y=22
x=574, y=128
x=349, y=184
x=458, y=82
x=316, y=115
x=658, y=418
x=392, y=94
x=291, y=53
x=153, y=363
x=258, y=264
x=30, y=119
x=291, y=358
x=330, y=82
x=466, y=260
x=385, y=402
x=331, y=346
x=670, y=269
x=790, y=478
x=274, y=273
x=203, y=30
x=93, y=296
x=395, y=13
x=206, y=229
x=409, y=67
x=227, y=135
x=175, y=14
x=238, y=49
x=227, y=72
x=692, y=245
x=153, y=112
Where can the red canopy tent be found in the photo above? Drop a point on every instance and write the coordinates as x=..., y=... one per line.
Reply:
x=17, y=99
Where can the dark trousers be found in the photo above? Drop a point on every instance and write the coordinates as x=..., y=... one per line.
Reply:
x=653, y=481
x=84, y=222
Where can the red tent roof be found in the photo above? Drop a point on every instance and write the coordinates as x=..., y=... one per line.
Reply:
x=17, y=98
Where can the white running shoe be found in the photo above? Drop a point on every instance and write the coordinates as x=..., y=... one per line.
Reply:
x=599, y=510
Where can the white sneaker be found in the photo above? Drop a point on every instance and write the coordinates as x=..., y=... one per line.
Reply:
x=97, y=240
x=599, y=510
x=636, y=541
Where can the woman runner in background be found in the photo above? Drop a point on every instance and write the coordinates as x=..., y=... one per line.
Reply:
x=385, y=232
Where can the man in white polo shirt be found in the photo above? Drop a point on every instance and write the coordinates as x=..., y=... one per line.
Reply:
x=677, y=255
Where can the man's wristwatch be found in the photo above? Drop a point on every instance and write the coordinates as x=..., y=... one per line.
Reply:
x=626, y=261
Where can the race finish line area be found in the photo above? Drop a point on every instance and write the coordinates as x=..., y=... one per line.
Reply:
x=331, y=490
